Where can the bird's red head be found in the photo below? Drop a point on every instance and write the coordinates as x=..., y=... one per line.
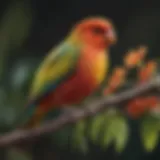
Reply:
x=97, y=32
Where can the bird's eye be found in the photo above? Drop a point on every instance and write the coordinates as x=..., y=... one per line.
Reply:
x=98, y=30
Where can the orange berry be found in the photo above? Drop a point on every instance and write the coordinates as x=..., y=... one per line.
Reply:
x=134, y=57
x=146, y=72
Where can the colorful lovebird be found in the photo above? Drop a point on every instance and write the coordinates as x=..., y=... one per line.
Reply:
x=73, y=70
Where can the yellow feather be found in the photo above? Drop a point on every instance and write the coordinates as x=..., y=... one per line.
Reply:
x=100, y=67
x=49, y=71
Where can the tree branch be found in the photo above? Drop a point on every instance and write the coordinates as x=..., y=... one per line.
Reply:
x=88, y=110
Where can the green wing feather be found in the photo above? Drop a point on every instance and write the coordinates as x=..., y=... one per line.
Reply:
x=59, y=65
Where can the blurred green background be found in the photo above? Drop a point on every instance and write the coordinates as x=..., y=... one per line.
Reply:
x=29, y=28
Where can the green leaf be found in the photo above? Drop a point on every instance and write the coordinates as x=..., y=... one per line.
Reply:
x=150, y=132
x=14, y=28
x=16, y=22
x=122, y=134
x=108, y=136
x=79, y=140
x=96, y=126
x=116, y=131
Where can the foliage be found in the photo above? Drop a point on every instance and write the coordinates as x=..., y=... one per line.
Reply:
x=150, y=127
x=15, y=27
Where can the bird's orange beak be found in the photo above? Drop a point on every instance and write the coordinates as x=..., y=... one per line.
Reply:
x=111, y=36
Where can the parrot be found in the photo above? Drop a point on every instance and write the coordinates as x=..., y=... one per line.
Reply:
x=72, y=70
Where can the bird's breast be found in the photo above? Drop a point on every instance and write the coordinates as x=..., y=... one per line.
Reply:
x=93, y=66
x=90, y=72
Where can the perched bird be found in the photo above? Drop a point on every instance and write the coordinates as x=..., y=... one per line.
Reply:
x=73, y=70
